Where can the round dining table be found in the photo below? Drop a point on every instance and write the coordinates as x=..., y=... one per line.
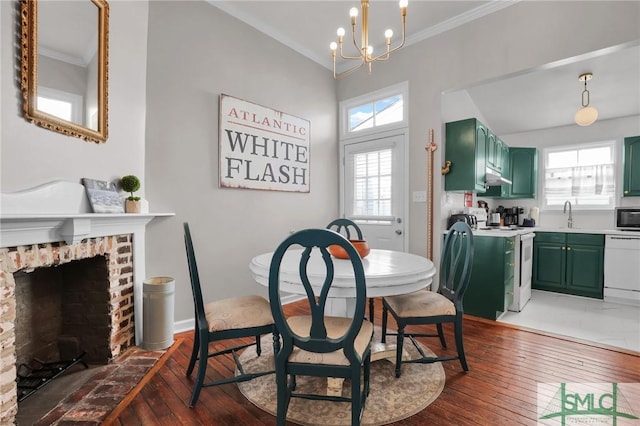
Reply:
x=387, y=273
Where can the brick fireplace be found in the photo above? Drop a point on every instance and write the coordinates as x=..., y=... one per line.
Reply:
x=63, y=235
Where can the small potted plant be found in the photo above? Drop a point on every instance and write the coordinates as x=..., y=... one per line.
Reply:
x=131, y=184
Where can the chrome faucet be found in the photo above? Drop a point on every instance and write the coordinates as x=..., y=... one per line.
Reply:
x=570, y=219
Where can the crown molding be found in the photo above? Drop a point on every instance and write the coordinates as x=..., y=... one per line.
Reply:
x=326, y=61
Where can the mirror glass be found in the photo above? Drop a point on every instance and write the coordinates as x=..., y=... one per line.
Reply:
x=65, y=66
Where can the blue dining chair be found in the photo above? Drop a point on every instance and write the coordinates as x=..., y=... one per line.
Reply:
x=435, y=307
x=346, y=226
x=316, y=344
x=224, y=319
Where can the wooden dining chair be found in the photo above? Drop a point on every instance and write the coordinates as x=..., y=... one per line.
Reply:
x=224, y=319
x=435, y=307
x=346, y=226
x=316, y=344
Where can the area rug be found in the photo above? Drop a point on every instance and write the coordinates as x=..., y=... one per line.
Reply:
x=390, y=399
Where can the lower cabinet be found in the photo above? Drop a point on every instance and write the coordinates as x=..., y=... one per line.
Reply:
x=490, y=291
x=570, y=263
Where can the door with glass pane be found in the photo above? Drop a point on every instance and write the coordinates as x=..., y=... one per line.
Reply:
x=373, y=190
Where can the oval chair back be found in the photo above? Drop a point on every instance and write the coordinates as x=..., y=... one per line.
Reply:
x=348, y=226
x=456, y=263
x=343, y=342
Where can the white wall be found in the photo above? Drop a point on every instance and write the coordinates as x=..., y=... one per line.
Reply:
x=32, y=155
x=195, y=53
x=523, y=36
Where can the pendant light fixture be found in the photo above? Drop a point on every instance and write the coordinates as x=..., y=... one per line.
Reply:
x=587, y=114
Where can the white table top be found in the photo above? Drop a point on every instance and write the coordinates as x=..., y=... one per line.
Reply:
x=387, y=273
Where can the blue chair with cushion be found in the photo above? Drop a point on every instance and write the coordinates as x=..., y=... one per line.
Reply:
x=431, y=307
x=315, y=344
x=225, y=319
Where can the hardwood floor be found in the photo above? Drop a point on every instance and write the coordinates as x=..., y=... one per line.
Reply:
x=506, y=364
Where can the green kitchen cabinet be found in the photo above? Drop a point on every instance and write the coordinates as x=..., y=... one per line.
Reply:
x=631, y=167
x=491, y=288
x=521, y=168
x=571, y=263
x=497, y=153
x=465, y=147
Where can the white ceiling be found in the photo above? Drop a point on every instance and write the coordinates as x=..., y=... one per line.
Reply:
x=541, y=98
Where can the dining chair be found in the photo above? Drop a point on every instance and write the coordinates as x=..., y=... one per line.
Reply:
x=316, y=344
x=435, y=307
x=224, y=319
x=345, y=226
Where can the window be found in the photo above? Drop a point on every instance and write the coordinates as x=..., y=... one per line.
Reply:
x=583, y=175
x=374, y=112
x=372, y=183
x=64, y=105
x=377, y=113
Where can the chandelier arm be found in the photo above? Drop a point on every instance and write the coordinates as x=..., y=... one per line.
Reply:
x=355, y=43
x=386, y=55
x=349, y=57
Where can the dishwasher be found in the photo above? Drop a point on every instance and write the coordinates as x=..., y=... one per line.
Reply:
x=622, y=268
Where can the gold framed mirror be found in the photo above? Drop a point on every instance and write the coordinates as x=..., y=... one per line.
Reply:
x=64, y=66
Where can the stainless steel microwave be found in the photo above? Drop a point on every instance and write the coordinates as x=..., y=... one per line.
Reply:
x=628, y=218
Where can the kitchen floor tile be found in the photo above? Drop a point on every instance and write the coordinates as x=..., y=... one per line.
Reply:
x=581, y=318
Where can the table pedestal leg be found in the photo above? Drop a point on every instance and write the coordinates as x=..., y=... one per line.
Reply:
x=379, y=351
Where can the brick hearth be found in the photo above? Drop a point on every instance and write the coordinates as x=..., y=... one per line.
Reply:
x=118, y=252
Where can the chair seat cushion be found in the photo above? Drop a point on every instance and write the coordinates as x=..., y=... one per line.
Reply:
x=423, y=303
x=238, y=312
x=336, y=327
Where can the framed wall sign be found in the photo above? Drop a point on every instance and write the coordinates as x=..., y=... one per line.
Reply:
x=262, y=148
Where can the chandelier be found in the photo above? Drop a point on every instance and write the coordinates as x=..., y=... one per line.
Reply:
x=365, y=56
x=587, y=114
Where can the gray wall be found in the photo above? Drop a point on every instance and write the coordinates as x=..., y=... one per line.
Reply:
x=32, y=155
x=523, y=36
x=195, y=53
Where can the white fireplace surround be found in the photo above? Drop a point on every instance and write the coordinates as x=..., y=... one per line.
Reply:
x=60, y=211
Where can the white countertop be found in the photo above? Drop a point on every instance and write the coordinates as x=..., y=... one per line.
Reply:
x=505, y=232
x=587, y=231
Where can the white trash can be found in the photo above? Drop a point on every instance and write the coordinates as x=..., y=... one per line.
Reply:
x=157, y=312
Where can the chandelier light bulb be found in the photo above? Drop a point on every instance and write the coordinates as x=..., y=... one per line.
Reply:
x=388, y=33
x=340, y=32
x=333, y=46
x=403, y=3
x=353, y=12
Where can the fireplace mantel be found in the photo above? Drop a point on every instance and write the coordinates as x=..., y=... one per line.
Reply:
x=60, y=211
x=19, y=230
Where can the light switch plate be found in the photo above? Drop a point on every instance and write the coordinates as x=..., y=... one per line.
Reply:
x=419, y=196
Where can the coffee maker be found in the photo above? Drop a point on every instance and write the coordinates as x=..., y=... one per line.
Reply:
x=512, y=215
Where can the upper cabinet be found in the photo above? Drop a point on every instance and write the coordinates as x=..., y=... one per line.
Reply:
x=523, y=173
x=497, y=153
x=465, y=146
x=631, y=174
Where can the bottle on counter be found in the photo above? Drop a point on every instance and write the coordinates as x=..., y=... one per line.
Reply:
x=534, y=214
